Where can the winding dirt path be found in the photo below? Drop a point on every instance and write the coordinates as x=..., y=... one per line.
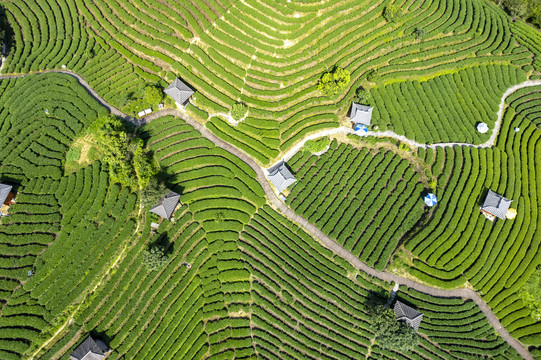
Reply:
x=310, y=228
x=346, y=130
x=334, y=246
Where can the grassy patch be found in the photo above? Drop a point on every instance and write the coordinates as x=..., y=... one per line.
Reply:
x=82, y=152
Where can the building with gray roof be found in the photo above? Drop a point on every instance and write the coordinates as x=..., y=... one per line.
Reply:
x=408, y=314
x=495, y=205
x=280, y=176
x=179, y=91
x=167, y=205
x=5, y=190
x=361, y=114
x=90, y=349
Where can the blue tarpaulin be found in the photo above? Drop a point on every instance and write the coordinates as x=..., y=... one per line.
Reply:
x=360, y=128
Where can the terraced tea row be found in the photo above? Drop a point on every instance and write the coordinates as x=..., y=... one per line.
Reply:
x=64, y=243
x=51, y=35
x=308, y=303
x=38, y=126
x=446, y=108
x=459, y=244
x=268, y=55
x=364, y=199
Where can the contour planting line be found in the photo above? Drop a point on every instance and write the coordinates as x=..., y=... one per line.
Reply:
x=346, y=130
x=464, y=293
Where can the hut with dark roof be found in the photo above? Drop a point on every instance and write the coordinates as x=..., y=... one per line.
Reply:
x=5, y=191
x=495, y=205
x=408, y=314
x=167, y=205
x=361, y=114
x=179, y=91
x=281, y=177
x=90, y=349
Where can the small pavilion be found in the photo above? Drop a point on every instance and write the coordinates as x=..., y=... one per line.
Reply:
x=408, y=314
x=6, y=198
x=90, y=349
x=281, y=177
x=495, y=205
x=167, y=205
x=360, y=114
x=180, y=92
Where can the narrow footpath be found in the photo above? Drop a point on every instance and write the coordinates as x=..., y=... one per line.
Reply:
x=310, y=228
x=346, y=130
x=334, y=246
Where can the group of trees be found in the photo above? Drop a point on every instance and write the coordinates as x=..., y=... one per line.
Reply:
x=129, y=163
x=529, y=10
x=390, y=333
x=334, y=81
x=531, y=294
x=145, y=97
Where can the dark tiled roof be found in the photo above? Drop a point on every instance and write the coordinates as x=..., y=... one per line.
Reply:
x=4, y=193
x=361, y=114
x=167, y=205
x=496, y=204
x=89, y=350
x=281, y=177
x=179, y=91
x=408, y=314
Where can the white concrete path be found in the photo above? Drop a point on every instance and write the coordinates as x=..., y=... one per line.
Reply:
x=464, y=293
x=346, y=130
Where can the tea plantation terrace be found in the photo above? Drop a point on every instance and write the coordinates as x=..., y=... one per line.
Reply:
x=173, y=142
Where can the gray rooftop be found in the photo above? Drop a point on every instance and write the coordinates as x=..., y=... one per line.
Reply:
x=90, y=349
x=496, y=204
x=4, y=192
x=179, y=91
x=167, y=205
x=361, y=114
x=408, y=314
x=281, y=177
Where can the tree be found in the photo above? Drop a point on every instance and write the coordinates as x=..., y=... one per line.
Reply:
x=219, y=216
x=390, y=333
x=362, y=95
x=391, y=13
x=129, y=164
x=530, y=293
x=145, y=165
x=518, y=8
x=315, y=146
x=420, y=33
x=334, y=81
x=155, y=257
x=153, y=192
x=373, y=75
x=153, y=95
x=238, y=110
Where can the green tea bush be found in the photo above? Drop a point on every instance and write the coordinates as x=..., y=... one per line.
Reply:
x=238, y=111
